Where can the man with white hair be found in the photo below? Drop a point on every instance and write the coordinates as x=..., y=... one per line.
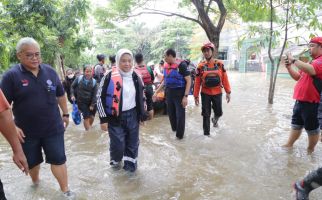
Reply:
x=36, y=92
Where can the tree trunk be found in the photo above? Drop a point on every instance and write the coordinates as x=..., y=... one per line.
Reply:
x=60, y=58
x=214, y=38
x=212, y=31
x=275, y=72
x=62, y=65
x=271, y=92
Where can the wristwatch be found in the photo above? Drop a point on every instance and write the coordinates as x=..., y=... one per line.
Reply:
x=65, y=115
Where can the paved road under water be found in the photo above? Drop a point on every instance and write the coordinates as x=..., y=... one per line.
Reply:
x=242, y=160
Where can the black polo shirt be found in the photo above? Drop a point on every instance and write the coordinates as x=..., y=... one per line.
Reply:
x=35, y=106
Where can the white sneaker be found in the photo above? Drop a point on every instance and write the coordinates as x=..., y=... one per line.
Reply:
x=69, y=195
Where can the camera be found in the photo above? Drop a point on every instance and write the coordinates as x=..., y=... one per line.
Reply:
x=285, y=58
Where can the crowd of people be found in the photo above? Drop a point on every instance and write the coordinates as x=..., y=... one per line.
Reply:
x=124, y=94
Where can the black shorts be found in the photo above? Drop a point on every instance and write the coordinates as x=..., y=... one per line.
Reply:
x=53, y=147
x=305, y=115
x=86, y=112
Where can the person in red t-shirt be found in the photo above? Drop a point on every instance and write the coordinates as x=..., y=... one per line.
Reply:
x=307, y=97
x=314, y=179
x=8, y=130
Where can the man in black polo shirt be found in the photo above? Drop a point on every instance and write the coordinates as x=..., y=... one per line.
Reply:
x=36, y=91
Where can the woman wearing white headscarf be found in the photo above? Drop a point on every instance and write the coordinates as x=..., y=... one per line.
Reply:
x=120, y=102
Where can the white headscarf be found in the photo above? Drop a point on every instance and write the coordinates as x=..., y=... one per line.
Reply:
x=118, y=58
x=128, y=90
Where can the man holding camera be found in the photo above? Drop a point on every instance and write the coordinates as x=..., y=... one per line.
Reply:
x=307, y=97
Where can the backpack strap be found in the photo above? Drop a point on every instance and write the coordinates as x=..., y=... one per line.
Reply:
x=94, y=82
x=80, y=77
x=150, y=70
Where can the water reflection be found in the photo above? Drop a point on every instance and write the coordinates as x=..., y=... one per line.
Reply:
x=241, y=160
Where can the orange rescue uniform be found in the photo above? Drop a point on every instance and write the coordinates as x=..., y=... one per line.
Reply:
x=199, y=80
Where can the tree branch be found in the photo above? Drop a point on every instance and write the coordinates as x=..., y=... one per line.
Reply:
x=223, y=14
x=283, y=47
x=160, y=12
x=205, y=21
x=208, y=7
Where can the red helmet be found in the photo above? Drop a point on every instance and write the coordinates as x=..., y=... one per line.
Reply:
x=317, y=40
x=208, y=45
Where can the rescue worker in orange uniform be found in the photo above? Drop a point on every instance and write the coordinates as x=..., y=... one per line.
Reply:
x=211, y=76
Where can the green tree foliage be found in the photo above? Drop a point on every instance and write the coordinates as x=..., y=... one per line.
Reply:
x=151, y=43
x=209, y=15
x=54, y=24
x=4, y=58
x=173, y=33
x=249, y=10
x=4, y=53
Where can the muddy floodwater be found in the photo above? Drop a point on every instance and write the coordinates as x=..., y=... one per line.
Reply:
x=241, y=160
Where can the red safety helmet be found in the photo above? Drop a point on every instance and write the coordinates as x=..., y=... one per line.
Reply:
x=208, y=45
x=317, y=40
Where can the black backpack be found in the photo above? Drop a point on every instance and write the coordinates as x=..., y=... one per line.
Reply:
x=317, y=83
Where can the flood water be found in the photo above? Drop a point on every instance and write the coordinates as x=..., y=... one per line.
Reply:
x=241, y=160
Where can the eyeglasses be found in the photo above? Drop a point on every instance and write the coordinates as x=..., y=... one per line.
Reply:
x=30, y=56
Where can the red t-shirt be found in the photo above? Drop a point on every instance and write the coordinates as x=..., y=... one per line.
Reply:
x=304, y=89
x=4, y=105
